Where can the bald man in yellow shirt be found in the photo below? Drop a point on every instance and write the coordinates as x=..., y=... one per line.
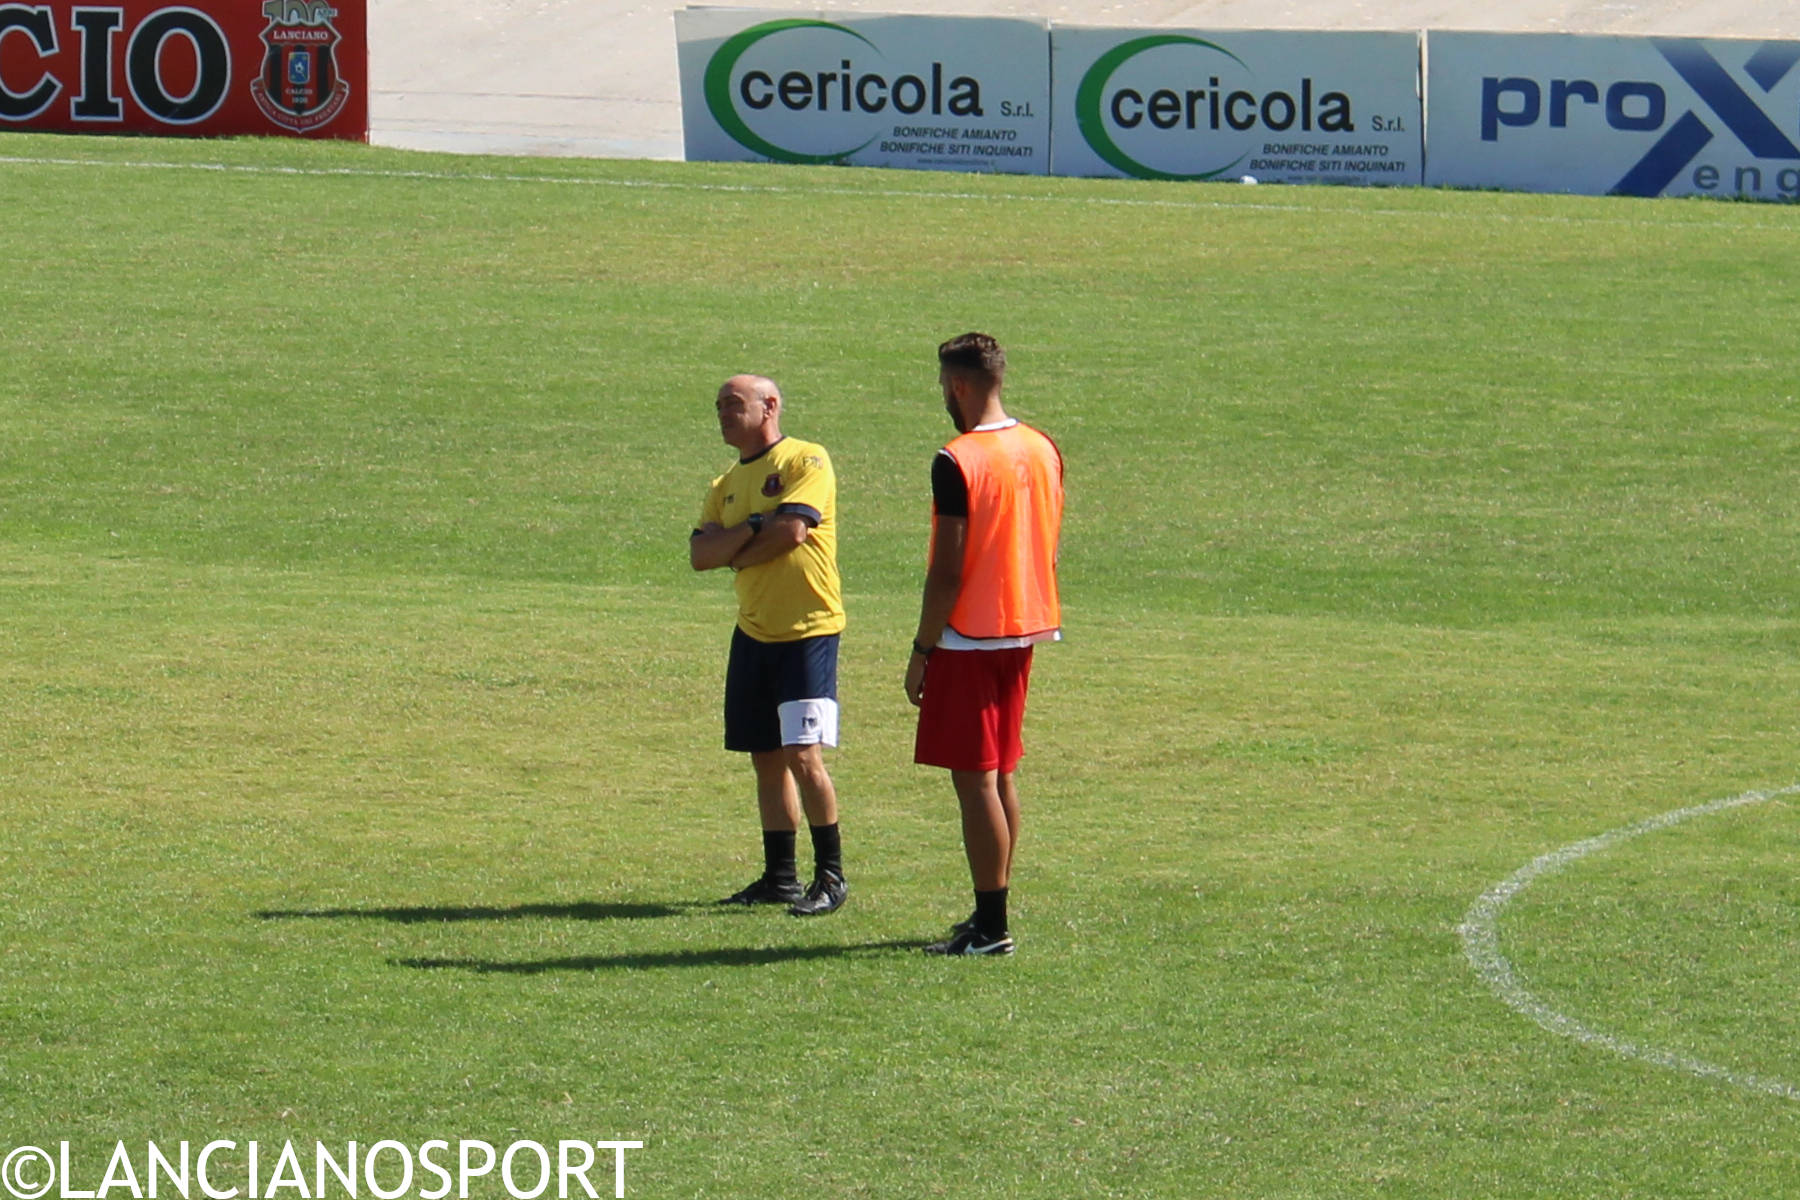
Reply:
x=772, y=518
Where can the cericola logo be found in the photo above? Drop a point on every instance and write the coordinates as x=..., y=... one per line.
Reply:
x=1201, y=103
x=844, y=87
x=1640, y=106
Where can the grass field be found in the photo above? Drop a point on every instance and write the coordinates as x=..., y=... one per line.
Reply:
x=359, y=766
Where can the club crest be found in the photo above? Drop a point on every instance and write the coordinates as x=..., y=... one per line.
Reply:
x=772, y=485
x=299, y=87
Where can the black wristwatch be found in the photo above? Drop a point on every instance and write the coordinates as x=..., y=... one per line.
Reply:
x=754, y=521
x=922, y=651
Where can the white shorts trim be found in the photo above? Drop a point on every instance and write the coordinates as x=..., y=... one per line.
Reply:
x=809, y=722
x=952, y=640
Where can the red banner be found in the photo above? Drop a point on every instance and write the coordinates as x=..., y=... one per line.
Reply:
x=213, y=68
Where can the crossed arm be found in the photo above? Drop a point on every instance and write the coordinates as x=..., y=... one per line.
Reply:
x=739, y=546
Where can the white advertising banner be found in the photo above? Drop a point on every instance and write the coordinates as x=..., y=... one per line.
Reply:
x=936, y=93
x=1625, y=116
x=1281, y=107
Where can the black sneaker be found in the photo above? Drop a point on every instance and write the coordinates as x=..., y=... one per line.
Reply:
x=966, y=925
x=825, y=894
x=766, y=891
x=973, y=941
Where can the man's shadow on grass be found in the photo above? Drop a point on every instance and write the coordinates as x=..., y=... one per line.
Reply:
x=430, y=913
x=730, y=957
x=726, y=957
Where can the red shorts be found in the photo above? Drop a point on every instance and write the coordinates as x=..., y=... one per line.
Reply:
x=973, y=709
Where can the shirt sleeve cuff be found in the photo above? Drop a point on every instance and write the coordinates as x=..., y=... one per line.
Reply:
x=805, y=512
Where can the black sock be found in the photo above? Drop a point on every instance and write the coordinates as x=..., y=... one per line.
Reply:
x=778, y=856
x=990, y=912
x=828, y=851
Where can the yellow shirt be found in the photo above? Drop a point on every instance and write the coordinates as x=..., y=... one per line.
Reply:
x=797, y=595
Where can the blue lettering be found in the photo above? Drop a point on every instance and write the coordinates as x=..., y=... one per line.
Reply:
x=1493, y=115
x=1516, y=102
x=1656, y=106
x=1562, y=91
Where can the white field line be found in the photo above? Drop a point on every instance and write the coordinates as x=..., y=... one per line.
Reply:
x=1481, y=942
x=878, y=193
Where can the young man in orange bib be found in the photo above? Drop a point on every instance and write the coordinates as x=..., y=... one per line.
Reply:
x=990, y=596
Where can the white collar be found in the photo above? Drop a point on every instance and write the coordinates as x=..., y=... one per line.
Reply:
x=1006, y=424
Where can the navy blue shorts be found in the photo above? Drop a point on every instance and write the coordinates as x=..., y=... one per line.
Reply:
x=780, y=693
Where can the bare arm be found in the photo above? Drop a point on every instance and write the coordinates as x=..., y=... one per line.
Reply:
x=740, y=546
x=943, y=583
x=713, y=545
x=782, y=533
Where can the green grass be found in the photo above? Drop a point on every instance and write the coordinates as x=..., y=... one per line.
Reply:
x=359, y=767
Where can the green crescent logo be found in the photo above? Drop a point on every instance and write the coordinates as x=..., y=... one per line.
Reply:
x=724, y=110
x=1093, y=87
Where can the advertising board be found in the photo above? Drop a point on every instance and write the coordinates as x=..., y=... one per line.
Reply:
x=940, y=93
x=1280, y=107
x=209, y=68
x=1630, y=116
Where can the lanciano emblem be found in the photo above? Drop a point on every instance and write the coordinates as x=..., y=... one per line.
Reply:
x=299, y=87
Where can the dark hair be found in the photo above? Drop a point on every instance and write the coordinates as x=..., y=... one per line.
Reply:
x=974, y=354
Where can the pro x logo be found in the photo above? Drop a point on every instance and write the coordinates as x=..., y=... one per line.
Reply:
x=808, y=91
x=1733, y=107
x=1172, y=106
x=1643, y=106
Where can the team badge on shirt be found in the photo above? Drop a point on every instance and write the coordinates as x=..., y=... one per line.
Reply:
x=772, y=485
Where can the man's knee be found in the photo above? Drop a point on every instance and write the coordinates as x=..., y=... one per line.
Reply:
x=806, y=762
